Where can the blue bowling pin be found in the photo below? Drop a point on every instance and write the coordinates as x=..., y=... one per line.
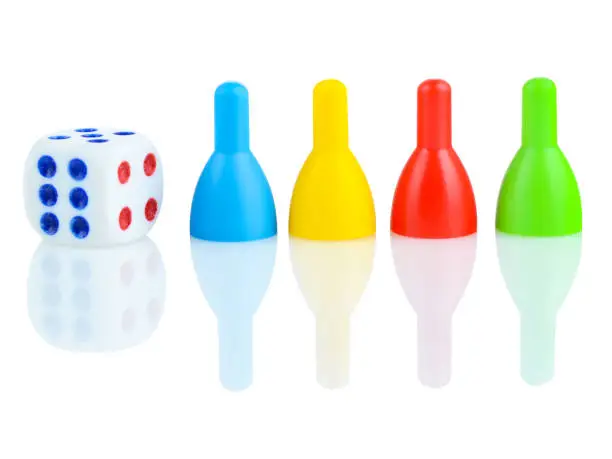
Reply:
x=232, y=200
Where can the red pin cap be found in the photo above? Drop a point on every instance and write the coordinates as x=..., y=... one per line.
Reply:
x=434, y=197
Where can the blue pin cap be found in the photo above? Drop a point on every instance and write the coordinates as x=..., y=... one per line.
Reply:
x=231, y=118
x=232, y=201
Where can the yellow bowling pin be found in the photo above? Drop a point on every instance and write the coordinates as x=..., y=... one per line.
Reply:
x=331, y=200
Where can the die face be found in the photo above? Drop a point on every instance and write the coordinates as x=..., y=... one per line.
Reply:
x=78, y=182
x=61, y=186
x=86, y=299
x=134, y=189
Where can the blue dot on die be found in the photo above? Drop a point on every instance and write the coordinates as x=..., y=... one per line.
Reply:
x=47, y=195
x=124, y=133
x=98, y=140
x=49, y=223
x=47, y=166
x=78, y=198
x=79, y=227
x=91, y=136
x=86, y=130
x=59, y=137
x=77, y=169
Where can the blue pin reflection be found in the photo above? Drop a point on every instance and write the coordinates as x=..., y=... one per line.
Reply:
x=434, y=274
x=539, y=273
x=234, y=278
x=332, y=276
x=96, y=300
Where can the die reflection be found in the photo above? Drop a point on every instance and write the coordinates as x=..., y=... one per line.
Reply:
x=234, y=278
x=332, y=276
x=96, y=300
x=538, y=273
x=434, y=274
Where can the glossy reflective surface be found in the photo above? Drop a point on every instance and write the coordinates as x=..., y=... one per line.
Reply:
x=234, y=278
x=539, y=273
x=434, y=274
x=96, y=300
x=332, y=276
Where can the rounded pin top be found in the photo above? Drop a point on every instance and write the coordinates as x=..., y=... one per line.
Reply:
x=330, y=115
x=539, y=113
x=231, y=118
x=434, y=115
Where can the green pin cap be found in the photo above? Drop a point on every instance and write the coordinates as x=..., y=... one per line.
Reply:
x=539, y=195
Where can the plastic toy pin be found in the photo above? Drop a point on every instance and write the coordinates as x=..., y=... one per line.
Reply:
x=331, y=200
x=539, y=195
x=434, y=197
x=433, y=225
x=232, y=201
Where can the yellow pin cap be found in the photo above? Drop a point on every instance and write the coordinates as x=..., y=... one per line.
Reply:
x=331, y=199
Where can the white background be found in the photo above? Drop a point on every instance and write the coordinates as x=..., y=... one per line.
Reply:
x=153, y=67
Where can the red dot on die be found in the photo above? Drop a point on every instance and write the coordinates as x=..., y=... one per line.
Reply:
x=151, y=209
x=123, y=172
x=150, y=164
x=125, y=218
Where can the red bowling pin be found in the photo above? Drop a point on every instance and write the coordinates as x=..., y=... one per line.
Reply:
x=434, y=197
x=434, y=224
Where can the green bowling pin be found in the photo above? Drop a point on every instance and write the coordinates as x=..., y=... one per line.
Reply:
x=539, y=195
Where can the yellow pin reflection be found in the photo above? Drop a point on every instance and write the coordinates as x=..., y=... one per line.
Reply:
x=332, y=277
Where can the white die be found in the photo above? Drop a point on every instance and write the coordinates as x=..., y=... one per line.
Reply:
x=96, y=300
x=93, y=187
